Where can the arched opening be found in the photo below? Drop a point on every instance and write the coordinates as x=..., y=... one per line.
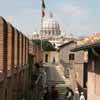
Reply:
x=46, y=58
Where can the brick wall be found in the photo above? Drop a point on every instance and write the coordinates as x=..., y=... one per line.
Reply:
x=9, y=49
x=3, y=45
x=15, y=48
x=14, y=54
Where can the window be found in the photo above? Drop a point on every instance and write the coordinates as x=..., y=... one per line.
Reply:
x=71, y=56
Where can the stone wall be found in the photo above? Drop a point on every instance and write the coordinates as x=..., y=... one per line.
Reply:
x=53, y=57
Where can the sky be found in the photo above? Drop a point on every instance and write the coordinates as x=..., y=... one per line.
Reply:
x=77, y=17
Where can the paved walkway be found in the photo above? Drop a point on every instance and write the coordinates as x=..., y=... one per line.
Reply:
x=55, y=74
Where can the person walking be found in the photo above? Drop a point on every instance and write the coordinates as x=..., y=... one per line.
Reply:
x=44, y=78
x=54, y=93
x=47, y=95
x=76, y=94
x=82, y=96
x=69, y=94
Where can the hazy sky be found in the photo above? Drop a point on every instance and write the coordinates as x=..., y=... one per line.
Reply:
x=79, y=17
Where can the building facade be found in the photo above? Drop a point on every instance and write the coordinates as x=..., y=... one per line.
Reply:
x=93, y=48
x=51, y=57
x=74, y=64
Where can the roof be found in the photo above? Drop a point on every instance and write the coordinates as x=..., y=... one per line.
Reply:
x=87, y=46
x=67, y=43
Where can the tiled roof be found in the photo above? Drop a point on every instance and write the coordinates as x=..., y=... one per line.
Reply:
x=87, y=46
x=67, y=43
x=87, y=43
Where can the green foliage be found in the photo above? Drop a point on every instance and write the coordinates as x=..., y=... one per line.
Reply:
x=47, y=46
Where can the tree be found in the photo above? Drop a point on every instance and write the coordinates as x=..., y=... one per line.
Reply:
x=46, y=46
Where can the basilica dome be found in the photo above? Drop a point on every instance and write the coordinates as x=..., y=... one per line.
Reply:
x=50, y=27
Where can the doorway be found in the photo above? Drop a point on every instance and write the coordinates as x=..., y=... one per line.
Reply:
x=46, y=58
